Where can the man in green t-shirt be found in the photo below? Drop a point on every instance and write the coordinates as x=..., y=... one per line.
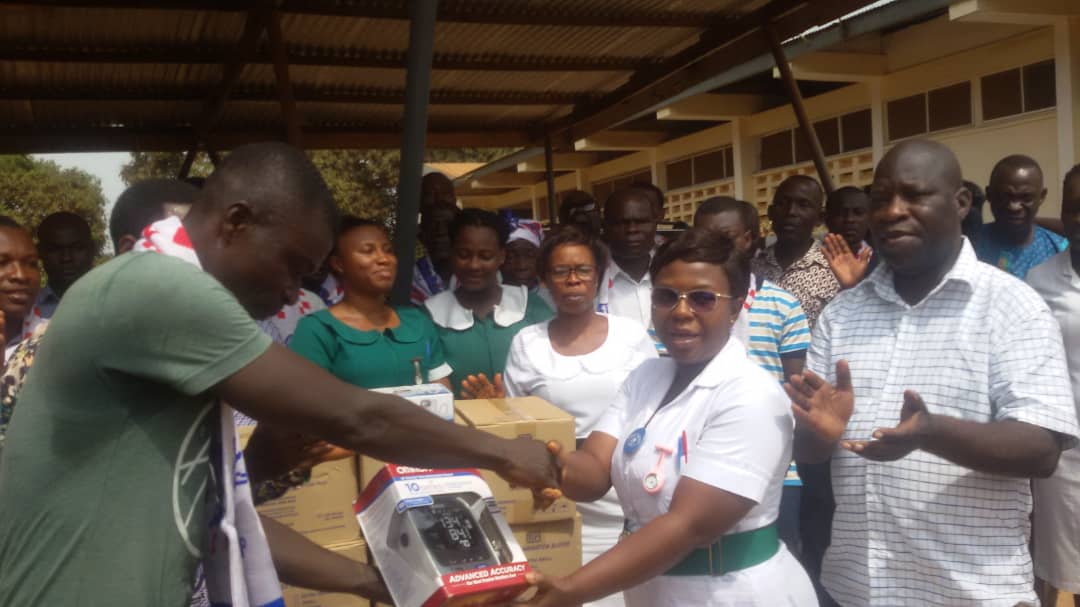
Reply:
x=106, y=464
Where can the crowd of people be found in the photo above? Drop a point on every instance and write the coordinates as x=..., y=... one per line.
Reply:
x=882, y=338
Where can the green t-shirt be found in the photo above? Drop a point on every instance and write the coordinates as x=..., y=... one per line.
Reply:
x=372, y=359
x=482, y=345
x=105, y=471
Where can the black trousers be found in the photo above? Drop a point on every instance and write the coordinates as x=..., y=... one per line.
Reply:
x=816, y=507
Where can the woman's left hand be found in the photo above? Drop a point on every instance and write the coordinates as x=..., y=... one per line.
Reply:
x=550, y=592
x=478, y=386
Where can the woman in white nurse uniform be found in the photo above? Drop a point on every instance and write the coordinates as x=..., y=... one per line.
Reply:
x=697, y=447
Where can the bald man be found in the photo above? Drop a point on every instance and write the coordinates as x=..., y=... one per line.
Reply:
x=938, y=387
x=118, y=439
x=1013, y=242
x=67, y=253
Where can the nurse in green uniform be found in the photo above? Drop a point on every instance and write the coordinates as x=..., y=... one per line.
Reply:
x=362, y=339
x=477, y=320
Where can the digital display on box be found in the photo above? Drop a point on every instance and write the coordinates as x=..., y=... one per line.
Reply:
x=451, y=535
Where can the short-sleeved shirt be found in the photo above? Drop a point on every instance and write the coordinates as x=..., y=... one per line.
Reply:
x=373, y=359
x=1017, y=260
x=981, y=346
x=621, y=295
x=809, y=278
x=105, y=468
x=738, y=427
x=584, y=386
x=774, y=324
x=1056, y=532
x=482, y=345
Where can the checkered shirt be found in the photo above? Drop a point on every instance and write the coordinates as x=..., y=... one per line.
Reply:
x=981, y=346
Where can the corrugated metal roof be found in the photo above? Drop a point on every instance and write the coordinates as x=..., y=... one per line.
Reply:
x=66, y=66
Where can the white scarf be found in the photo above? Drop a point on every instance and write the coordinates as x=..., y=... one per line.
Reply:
x=238, y=567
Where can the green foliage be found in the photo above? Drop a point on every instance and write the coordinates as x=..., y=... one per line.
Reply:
x=31, y=189
x=151, y=165
x=364, y=182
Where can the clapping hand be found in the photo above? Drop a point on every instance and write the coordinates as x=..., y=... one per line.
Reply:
x=848, y=267
x=820, y=406
x=890, y=444
x=478, y=386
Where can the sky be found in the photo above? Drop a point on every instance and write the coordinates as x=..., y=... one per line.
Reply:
x=103, y=165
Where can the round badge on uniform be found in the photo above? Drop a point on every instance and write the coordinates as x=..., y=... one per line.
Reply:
x=634, y=441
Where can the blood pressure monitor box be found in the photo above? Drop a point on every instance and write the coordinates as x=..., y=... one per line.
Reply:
x=435, y=398
x=439, y=538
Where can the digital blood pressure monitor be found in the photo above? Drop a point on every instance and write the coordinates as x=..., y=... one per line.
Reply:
x=449, y=532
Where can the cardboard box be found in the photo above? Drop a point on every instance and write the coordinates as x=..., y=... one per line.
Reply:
x=528, y=417
x=322, y=508
x=370, y=466
x=439, y=540
x=554, y=547
x=433, y=398
x=302, y=597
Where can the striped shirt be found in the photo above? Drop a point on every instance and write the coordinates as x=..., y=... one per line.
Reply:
x=777, y=326
x=810, y=278
x=981, y=346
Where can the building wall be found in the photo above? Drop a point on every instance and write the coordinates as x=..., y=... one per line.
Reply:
x=974, y=50
x=980, y=148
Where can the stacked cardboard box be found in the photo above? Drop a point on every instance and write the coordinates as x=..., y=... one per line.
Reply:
x=322, y=511
x=302, y=597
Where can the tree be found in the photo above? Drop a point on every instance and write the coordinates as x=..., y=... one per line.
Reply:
x=363, y=182
x=151, y=165
x=31, y=189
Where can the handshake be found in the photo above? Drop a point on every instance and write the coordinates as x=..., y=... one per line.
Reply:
x=531, y=467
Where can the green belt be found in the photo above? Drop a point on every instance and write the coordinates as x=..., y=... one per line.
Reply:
x=732, y=553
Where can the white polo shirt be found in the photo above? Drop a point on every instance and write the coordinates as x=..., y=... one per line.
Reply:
x=621, y=295
x=982, y=346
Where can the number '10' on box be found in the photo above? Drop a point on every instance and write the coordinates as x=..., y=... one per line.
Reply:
x=439, y=538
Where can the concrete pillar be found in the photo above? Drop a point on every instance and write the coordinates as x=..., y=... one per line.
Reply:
x=877, y=120
x=1067, y=66
x=743, y=148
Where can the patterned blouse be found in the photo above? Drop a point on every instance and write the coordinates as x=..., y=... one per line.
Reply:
x=810, y=279
x=11, y=381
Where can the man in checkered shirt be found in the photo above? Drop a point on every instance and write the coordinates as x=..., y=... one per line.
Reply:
x=956, y=395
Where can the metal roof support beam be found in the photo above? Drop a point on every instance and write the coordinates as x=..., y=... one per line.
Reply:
x=328, y=56
x=293, y=132
x=170, y=139
x=417, y=88
x=454, y=11
x=800, y=110
x=215, y=104
x=307, y=93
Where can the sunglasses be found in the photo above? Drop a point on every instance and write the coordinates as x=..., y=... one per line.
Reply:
x=700, y=302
